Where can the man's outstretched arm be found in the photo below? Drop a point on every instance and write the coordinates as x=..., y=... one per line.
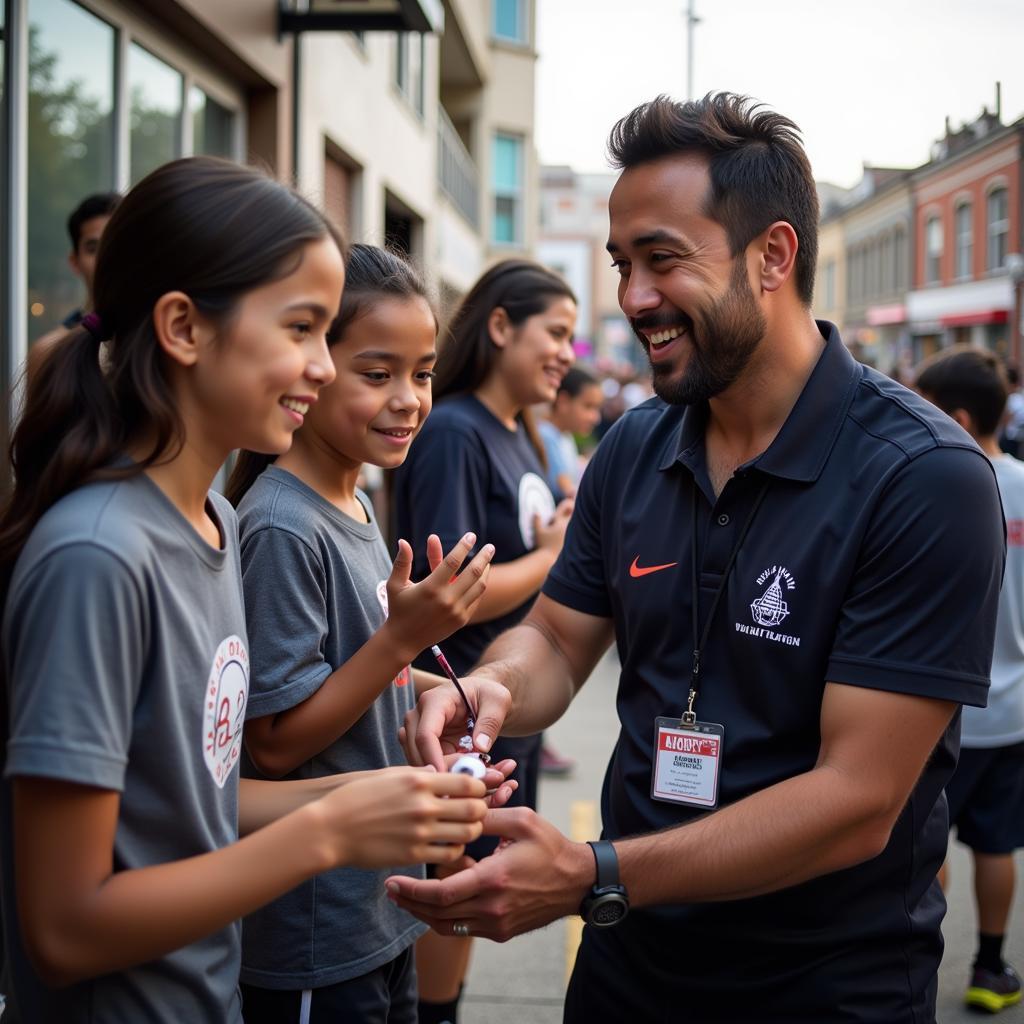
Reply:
x=525, y=680
x=874, y=746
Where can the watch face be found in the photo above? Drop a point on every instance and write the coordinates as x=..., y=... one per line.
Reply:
x=607, y=910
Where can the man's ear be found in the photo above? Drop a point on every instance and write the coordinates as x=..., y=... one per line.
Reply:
x=499, y=327
x=964, y=418
x=778, y=249
x=73, y=262
x=177, y=326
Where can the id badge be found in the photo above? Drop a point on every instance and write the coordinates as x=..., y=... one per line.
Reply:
x=687, y=762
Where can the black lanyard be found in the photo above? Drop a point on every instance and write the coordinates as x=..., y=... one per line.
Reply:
x=689, y=717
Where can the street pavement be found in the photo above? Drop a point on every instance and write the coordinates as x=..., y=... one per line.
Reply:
x=523, y=981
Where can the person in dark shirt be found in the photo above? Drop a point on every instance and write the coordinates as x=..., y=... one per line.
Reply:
x=478, y=466
x=800, y=608
x=85, y=228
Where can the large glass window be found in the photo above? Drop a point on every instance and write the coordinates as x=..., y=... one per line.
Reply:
x=509, y=20
x=70, y=144
x=964, y=240
x=213, y=125
x=932, y=251
x=508, y=189
x=155, y=90
x=998, y=210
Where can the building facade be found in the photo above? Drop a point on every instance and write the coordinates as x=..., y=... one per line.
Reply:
x=914, y=260
x=420, y=139
x=572, y=240
x=966, y=222
x=878, y=233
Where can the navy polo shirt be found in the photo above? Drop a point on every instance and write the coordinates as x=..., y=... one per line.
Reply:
x=874, y=560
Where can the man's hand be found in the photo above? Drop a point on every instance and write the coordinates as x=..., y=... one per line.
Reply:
x=538, y=877
x=434, y=727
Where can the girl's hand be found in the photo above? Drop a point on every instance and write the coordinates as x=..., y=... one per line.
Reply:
x=421, y=614
x=550, y=536
x=499, y=786
x=400, y=816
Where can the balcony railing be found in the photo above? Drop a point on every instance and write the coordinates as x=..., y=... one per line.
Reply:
x=456, y=172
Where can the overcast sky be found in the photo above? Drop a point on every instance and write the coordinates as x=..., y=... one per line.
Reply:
x=869, y=81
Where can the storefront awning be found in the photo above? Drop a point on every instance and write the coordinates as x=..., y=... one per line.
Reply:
x=987, y=316
x=882, y=316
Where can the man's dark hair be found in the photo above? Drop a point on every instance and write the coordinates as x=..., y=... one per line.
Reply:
x=758, y=168
x=102, y=204
x=968, y=378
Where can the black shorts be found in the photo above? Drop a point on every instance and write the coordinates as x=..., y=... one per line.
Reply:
x=386, y=995
x=986, y=798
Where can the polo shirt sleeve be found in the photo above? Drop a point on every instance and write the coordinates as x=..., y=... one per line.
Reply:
x=920, y=614
x=447, y=492
x=75, y=642
x=285, y=587
x=577, y=579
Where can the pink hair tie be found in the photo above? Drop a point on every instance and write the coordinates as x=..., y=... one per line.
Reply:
x=94, y=325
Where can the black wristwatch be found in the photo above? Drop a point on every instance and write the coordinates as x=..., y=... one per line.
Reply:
x=607, y=903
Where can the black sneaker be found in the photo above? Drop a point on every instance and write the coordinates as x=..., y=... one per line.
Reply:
x=993, y=991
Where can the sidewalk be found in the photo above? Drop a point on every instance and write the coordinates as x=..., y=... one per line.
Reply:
x=523, y=981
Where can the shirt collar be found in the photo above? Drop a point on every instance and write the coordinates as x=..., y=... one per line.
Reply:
x=802, y=446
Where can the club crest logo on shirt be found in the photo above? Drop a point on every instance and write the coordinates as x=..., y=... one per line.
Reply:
x=535, y=499
x=770, y=607
x=227, y=692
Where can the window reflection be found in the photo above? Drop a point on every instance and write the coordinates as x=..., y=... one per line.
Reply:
x=70, y=144
x=155, y=91
x=212, y=125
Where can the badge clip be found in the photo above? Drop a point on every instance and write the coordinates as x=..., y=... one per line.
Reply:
x=689, y=716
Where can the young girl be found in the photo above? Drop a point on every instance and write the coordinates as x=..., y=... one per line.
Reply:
x=576, y=410
x=478, y=465
x=333, y=629
x=124, y=637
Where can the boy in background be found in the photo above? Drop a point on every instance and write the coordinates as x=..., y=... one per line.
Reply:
x=986, y=792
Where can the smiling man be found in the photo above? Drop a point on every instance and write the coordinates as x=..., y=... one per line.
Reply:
x=799, y=612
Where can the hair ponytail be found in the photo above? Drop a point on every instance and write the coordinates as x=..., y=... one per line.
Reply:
x=69, y=429
x=207, y=227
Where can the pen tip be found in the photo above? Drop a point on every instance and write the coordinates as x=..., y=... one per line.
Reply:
x=435, y=650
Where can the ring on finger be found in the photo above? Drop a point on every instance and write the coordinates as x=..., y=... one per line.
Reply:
x=461, y=929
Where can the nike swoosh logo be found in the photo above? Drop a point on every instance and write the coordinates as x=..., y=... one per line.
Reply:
x=636, y=572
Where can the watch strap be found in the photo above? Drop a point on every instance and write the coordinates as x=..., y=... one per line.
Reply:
x=607, y=862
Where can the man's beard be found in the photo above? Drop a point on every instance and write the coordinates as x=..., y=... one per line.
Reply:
x=721, y=343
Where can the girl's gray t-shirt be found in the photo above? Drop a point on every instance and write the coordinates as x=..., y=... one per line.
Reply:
x=126, y=662
x=314, y=581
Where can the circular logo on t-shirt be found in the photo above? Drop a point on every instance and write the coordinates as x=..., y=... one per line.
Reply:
x=227, y=691
x=535, y=499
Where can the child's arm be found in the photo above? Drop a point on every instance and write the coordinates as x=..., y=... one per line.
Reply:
x=419, y=614
x=82, y=918
x=261, y=801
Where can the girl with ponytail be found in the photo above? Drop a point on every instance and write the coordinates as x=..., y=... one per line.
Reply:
x=126, y=655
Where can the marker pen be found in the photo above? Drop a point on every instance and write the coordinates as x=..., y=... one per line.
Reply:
x=466, y=742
